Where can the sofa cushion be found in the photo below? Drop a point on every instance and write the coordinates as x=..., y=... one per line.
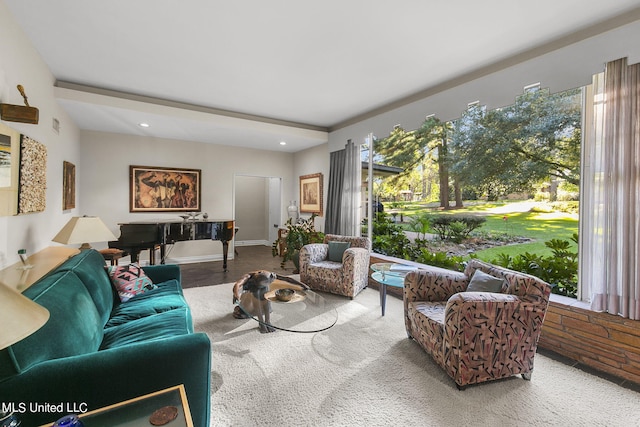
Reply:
x=157, y=326
x=129, y=281
x=74, y=326
x=336, y=250
x=164, y=298
x=483, y=282
x=89, y=266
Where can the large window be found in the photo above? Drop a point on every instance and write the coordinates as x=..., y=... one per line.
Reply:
x=517, y=167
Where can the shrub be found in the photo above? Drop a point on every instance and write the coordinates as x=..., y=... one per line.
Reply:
x=560, y=269
x=439, y=259
x=388, y=237
x=455, y=227
x=419, y=223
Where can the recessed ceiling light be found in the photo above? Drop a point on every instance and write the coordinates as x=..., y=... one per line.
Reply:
x=283, y=143
x=143, y=125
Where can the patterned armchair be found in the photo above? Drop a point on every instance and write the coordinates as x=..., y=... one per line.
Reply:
x=346, y=278
x=476, y=336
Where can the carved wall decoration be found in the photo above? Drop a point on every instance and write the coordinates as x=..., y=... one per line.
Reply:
x=32, y=194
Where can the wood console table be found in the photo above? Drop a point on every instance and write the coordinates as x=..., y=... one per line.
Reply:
x=14, y=277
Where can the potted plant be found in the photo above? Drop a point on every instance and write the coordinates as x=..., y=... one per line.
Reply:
x=298, y=234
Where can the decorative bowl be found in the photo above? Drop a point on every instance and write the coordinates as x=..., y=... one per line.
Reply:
x=285, y=294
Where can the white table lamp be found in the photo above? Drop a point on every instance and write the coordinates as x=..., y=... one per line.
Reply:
x=19, y=316
x=84, y=230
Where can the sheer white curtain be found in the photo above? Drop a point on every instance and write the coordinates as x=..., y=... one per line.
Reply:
x=610, y=241
x=350, y=209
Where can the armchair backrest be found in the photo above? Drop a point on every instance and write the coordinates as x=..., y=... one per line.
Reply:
x=525, y=286
x=356, y=242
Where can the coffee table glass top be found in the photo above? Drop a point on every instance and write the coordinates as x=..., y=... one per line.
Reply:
x=306, y=312
x=390, y=273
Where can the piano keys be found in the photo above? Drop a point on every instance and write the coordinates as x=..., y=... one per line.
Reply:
x=138, y=236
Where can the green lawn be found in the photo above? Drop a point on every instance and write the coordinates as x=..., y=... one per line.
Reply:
x=513, y=218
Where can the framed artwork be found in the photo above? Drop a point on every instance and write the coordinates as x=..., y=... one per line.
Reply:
x=68, y=185
x=32, y=192
x=157, y=189
x=311, y=193
x=9, y=170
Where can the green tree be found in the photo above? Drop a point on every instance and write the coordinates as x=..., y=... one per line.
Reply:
x=509, y=149
x=405, y=150
x=433, y=135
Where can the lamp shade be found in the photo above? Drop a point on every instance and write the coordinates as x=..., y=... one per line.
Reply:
x=84, y=229
x=19, y=317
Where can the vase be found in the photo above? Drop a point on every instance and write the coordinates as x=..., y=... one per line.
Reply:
x=70, y=420
x=292, y=211
x=295, y=258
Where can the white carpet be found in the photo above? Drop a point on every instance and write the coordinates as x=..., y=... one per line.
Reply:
x=366, y=372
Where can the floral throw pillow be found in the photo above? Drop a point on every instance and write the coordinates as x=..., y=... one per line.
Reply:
x=129, y=281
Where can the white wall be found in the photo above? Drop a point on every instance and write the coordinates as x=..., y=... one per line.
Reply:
x=21, y=64
x=565, y=68
x=104, y=180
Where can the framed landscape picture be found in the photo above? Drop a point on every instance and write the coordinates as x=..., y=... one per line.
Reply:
x=311, y=193
x=157, y=189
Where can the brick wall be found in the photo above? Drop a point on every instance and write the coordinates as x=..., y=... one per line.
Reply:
x=602, y=341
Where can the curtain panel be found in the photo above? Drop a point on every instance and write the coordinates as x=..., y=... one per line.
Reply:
x=343, y=195
x=334, y=192
x=610, y=242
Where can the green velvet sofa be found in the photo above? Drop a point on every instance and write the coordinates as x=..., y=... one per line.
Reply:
x=96, y=351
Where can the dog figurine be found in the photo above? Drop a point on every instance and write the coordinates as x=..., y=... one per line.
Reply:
x=249, y=293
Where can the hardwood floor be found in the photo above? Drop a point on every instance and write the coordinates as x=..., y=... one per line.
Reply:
x=248, y=258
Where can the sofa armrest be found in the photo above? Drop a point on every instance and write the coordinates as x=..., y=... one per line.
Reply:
x=163, y=272
x=433, y=284
x=111, y=376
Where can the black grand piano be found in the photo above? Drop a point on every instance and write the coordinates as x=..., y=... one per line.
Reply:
x=138, y=236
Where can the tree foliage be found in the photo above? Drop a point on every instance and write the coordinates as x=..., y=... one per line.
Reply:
x=509, y=149
x=419, y=150
x=492, y=153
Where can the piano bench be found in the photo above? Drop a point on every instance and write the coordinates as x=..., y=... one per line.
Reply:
x=112, y=255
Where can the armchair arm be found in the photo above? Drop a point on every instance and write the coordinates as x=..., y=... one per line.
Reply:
x=488, y=334
x=311, y=253
x=355, y=269
x=355, y=259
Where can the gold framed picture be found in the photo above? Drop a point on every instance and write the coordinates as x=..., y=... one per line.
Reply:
x=156, y=189
x=68, y=185
x=311, y=193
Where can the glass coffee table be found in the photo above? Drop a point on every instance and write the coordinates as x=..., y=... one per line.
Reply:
x=306, y=311
x=389, y=274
